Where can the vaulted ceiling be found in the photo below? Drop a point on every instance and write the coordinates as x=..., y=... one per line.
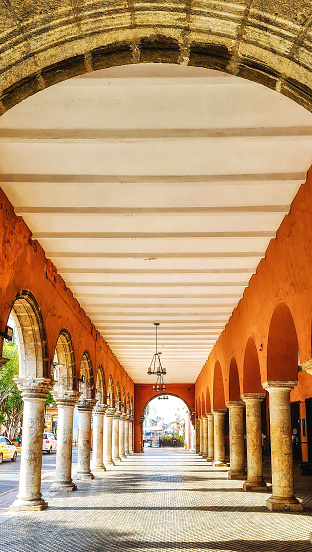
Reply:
x=155, y=190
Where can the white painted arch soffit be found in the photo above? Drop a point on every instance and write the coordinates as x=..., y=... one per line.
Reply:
x=155, y=190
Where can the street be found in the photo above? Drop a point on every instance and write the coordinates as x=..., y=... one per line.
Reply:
x=9, y=471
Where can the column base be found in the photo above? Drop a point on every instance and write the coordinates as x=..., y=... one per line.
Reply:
x=117, y=460
x=20, y=505
x=109, y=463
x=280, y=504
x=81, y=476
x=204, y=456
x=219, y=464
x=209, y=459
x=256, y=486
x=98, y=468
x=60, y=487
x=238, y=475
x=123, y=457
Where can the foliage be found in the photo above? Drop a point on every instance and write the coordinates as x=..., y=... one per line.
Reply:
x=10, y=397
x=49, y=400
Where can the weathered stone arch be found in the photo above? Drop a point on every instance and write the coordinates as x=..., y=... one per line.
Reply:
x=64, y=363
x=86, y=386
x=117, y=396
x=128, y=407
x=43, y=44
x=110, y=391
x=123, y=400
x=172, y=395
x=31, y=336
x=100, y=387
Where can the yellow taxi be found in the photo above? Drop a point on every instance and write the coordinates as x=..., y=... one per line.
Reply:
x=7, y=450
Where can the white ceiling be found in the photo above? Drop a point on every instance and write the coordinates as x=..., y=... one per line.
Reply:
x=155, y=190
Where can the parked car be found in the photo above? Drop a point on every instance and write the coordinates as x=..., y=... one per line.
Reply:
x=49, y=442
x=7, y=450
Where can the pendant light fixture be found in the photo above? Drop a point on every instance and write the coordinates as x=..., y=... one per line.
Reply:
x=156, y=368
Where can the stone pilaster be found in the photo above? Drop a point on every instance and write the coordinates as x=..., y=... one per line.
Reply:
x=98, y=437
x=65, y=412
x=205, y=437
x=254, y=442
x=116, y=418
x=219, y=444
x=210, y=429
x=141, y=419
x=108, y=437
x=85, y=407
x=283, y=497
x=34, y=393
x=237, y=453
x=122, y=436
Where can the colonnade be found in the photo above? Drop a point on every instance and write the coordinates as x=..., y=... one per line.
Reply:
x=211, y=443
x=112, y=440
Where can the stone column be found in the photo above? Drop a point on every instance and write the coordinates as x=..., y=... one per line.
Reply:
x=127, y=425
x=116, y=457
x=98, y=437
x=131, y=435
x=254, y=442
x=205, y=437
x=122, y=436
x=201, y=440
x=283, y=497
x=141, y=433
x=108, y=437
x=65, y=413
x=237, y=452
x=85, y=407
x=197, y=436
x=34, y=393
x=219, y=444
x=210, y=457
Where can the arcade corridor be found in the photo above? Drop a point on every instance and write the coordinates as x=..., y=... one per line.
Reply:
x=162, y=500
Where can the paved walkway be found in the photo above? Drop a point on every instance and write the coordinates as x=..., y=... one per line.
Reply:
x=162, y=500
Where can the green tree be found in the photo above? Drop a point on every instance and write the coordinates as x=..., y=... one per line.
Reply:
x=11, y=404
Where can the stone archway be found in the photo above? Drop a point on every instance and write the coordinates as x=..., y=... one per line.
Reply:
x=270, y=45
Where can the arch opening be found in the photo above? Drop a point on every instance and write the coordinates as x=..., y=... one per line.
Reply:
x=167, y=422
x=282, y=355
x=100, y=387
x=64, y=363
x=86, y=386
x=218, y=400
x=234, y=385
x=251, y=373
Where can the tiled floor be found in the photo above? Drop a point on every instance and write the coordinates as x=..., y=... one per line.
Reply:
x=161, y=500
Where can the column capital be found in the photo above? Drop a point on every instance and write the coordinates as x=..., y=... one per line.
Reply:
x=110, y=412
x=219, y=411
x=117, y=414
x=66, y=398
x=253, y=396
x=100, y=409
x=123, y=416
x=209, y=414
x=235, y=404
x=282, y=385
x=34, y=388
x=86, y=405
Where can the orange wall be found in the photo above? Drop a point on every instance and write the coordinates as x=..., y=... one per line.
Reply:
x=144, y=392
x=284, y=275
x=24, y=266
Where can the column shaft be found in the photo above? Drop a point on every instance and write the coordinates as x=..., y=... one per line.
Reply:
x=201, y=440
x=131, y=435
x=83, y=471
x=255, y=480
x=237, y=453
x=205, y=437
x=127, y=425
x=283, y=497
x=65, y=413
x=122, y=437
x=210, y=428
x=98, y=438
x=219, y=444
x=34, y=392
x=197, y=436
x=116, y=457
x=108, y=437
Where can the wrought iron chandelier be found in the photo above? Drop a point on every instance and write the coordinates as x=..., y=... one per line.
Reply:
x=156, y=368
